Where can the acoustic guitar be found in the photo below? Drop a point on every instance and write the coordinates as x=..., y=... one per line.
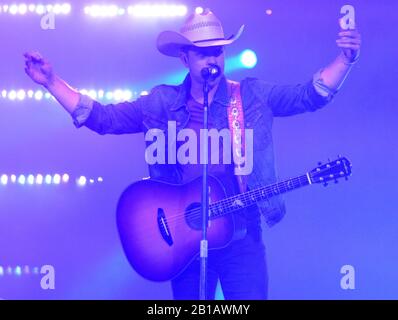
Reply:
x=160, y=223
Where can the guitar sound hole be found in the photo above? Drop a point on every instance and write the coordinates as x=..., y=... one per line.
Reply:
x=193, y=216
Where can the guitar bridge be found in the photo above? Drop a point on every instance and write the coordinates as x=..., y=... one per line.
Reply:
x=164, y=228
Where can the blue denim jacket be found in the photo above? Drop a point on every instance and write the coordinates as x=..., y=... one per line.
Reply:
x=261, y=102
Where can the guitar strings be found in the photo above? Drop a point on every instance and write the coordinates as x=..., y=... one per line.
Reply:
x=249, y=196
x=226, y=203
x=246, y=198
x=179, y=218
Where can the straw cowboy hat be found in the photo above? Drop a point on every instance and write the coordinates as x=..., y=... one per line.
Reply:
x=199, y=30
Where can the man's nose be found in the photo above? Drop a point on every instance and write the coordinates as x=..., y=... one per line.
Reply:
x=211, y=60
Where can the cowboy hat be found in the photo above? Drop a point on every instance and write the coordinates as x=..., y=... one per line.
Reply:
x=199, y=30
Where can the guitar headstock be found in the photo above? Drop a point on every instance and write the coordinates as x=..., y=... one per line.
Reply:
x=333, y=170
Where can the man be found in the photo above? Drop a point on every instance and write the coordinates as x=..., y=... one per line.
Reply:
x=241, y=266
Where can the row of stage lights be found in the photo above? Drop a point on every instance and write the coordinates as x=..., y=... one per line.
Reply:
x=247, y=59
x=39, y=9
x=18, y=270
x=139, y=10
x=115, y=95
x=48, y=179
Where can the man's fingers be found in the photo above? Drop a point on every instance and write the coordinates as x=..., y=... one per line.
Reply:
x=348, y=46
x=27, y=71
x=28, y=64
x=350, y=33
x=33, y=55
x=348, y=40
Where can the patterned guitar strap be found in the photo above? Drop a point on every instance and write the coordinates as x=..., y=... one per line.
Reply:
x=236, y=125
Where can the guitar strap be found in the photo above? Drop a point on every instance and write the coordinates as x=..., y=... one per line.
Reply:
x=236, y=125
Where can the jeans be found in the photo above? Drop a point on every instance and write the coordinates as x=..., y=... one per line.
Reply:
x=240, y=267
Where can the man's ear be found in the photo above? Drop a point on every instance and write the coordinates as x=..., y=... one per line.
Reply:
x=184, y=58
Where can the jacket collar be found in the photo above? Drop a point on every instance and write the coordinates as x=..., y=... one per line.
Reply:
x=221, y=96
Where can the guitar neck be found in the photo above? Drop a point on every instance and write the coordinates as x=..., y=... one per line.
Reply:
x=243, y=200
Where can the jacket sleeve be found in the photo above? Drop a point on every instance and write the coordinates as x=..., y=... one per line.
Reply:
x=287, y=100
x=125, y=117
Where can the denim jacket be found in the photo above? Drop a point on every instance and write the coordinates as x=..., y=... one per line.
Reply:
x=262, y=101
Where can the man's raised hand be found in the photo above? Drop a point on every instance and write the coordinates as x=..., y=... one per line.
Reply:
x=38, y=69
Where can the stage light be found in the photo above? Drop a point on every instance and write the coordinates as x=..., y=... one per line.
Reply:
x=12, y=95
x=118, y=94
x=31, y=179
x=109, y=95
x=39, y=179
x=1, y=271
x=57, y=179
x=38, y=95
x=22, y=8
x=40, y=9
x=127, y=95
x=103, y=10
x=157, y=10
x=4, y=179
x=248, y=59
x=26, y=270
x=13, y=9
x=18, y=270
x=92, y=94
x=21, y=179
x=35, y=270
x=48, y=179
x=65, y=8
x=57, y=9
x=5, y=8
x=65, y=178
x=268, y=11
x=9, y=270
x=31, y=8
x=21, y=94
x=198, y=10
x=82, y=181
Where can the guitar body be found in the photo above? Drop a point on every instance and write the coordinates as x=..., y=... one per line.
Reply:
x=160, y=224
x=160, y=229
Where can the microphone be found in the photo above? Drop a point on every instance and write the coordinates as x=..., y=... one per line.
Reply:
x=211, y=72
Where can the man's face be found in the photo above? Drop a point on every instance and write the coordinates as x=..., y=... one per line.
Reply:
x=195, y=59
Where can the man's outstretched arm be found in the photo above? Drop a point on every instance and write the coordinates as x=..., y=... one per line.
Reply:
x=125, y=117
x=334, y=74
x=41, y=72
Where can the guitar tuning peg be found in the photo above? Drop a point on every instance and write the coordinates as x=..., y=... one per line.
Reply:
x=325, y=184
x=319, y=163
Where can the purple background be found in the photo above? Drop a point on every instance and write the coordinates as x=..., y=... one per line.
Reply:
x=74, y=229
